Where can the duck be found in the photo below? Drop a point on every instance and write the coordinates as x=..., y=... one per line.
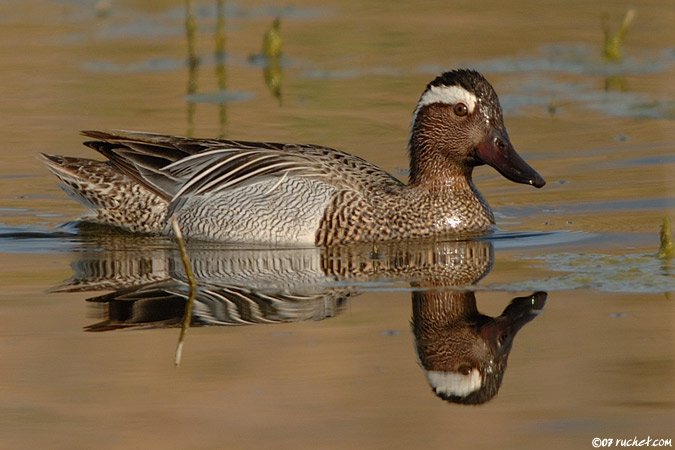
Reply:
x=462, y=352
x=282, y=194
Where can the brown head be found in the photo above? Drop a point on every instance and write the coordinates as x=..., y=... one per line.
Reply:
x=458, y=125
x=463, y=352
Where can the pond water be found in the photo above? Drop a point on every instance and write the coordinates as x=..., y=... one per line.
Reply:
x=342, y=348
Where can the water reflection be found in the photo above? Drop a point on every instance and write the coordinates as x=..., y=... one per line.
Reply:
x=271, y=51
x=193, y=65
x=222, y=96
x=463, y=353
x=270, y=59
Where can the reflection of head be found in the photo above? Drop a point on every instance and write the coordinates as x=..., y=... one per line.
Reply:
x=464, y=353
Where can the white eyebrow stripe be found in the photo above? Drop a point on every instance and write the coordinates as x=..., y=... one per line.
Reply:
x=449, y=95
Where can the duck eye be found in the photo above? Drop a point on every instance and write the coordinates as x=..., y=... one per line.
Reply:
x=460, y=109
x=464, y=369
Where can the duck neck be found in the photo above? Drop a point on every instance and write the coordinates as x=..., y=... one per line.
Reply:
x=441, y=309
x=435, y=156
x=432, y=167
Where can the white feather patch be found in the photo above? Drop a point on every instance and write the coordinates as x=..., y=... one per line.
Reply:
x=449, y=95
x=454, y=383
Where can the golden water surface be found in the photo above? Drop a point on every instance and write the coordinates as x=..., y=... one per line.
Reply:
x=599, y=361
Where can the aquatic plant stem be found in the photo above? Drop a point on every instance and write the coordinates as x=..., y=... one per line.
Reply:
x=192, y=284
x=666, y=249
x=193, y=64
x=612, y=48
x=221, y=73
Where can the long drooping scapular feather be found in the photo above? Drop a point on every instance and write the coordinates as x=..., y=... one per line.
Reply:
x=174, y=167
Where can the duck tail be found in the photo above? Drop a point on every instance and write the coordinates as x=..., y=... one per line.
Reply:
x=111, y=197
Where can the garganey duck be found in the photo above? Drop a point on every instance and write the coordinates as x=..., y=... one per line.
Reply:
x=293, y=194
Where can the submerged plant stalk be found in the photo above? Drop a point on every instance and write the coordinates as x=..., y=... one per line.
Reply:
x=192, y=284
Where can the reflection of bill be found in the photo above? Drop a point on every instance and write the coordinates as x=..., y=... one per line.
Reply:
x=462, y=351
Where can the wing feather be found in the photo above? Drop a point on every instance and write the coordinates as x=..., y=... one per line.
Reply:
x=175, y=167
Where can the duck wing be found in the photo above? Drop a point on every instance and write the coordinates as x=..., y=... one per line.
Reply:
x=175, y=166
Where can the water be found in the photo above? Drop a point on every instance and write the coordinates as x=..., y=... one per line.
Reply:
x=297, y=349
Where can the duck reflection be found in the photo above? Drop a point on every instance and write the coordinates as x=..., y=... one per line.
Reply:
x=463, y=353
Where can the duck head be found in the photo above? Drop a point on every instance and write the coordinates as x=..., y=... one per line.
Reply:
x=458, y=125
x=463, y=352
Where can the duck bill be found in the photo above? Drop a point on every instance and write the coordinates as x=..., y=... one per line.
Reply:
x=498, y=152
x=500, y=331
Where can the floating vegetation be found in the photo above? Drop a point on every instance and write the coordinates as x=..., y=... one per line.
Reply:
x=272, y=51
x=270, y=59
x=271, y=47
x=666, y=250
x=611, y=49
x=273, y=78
x=641, y=273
